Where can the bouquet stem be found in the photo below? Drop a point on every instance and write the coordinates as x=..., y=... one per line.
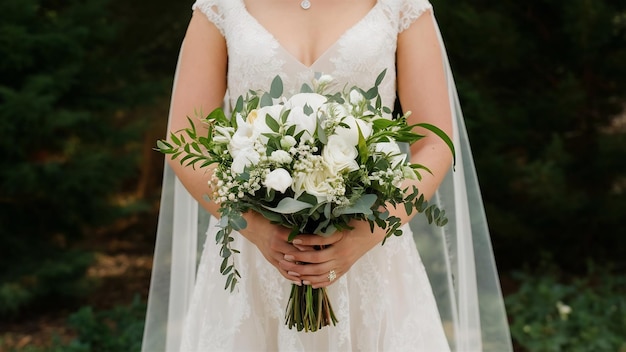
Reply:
x=309, y=309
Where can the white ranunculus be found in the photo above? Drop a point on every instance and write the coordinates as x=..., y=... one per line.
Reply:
x=340, y=155
x=392, y=150
x=245, y=158
x=351, y=133
x=356, y=98
x=302, y=121
x=280, y=157
x=314, y=183
x=314, y=100
x=278, y=180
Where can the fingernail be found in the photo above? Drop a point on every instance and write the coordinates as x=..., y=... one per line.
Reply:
x=306, y=282
x=293, y=273
x=296, y=241
x=290, y=258
x=297, y=283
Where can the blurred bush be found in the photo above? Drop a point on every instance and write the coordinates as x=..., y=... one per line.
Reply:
x=542, y=88
x=552, y=313
x=69, y=147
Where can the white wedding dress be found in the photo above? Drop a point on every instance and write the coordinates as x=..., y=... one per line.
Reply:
x=386, y=300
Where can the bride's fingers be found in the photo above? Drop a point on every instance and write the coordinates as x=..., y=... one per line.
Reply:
x=316, y=240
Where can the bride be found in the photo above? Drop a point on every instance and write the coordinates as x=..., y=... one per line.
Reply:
x=385, y=297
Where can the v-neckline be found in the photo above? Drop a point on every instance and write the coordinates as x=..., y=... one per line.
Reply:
x=325, y=52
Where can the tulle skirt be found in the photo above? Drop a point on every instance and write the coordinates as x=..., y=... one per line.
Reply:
x=385, y=302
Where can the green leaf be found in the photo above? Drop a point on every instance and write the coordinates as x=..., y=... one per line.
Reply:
x=306, y=88
x=436, y=130
x=237, y=223
x=363, y=205
x=266, y=100
x=380, y=78
x=276, y=89
x=289, y=206
x=271, y=123
x=239, y=104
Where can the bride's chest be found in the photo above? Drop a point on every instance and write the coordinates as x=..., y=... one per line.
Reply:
x=368, y=44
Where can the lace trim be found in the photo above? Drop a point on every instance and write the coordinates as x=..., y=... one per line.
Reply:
x=212, y=11
x=410, y=11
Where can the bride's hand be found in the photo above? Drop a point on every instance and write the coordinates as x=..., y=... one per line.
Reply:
x=343, y=249
x=271, y=240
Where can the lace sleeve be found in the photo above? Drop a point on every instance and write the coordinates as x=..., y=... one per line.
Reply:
x=212, y=10
x=411, y=10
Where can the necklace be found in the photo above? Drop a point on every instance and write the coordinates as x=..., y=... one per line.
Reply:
x=305, y=4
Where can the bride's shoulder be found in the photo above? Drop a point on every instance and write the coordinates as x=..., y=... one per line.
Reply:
x=214, y=6
x=403, y=6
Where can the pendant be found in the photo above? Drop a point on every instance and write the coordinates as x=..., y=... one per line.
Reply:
x=305, y=4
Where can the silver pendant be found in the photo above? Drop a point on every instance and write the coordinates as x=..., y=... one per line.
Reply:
x=305, y=4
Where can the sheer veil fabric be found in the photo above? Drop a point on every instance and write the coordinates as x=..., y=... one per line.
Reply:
x=458, y=258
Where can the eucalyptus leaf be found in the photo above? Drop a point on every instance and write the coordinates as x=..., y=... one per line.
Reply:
x=276, y=89
x=289, y=206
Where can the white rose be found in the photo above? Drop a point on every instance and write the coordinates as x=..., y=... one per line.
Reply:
x=302, y=121
x=351, y=133
x=392, y=150
x=280, y=157
x=314, y=100
x=340, y=155
x=314, y=183
x=245, y=158
x=278, y=180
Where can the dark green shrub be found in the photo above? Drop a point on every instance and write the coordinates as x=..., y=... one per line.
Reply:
x=583, y=314
x=67, y=147
x=540, y=83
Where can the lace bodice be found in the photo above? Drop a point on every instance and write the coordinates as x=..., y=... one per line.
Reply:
x=255, y=56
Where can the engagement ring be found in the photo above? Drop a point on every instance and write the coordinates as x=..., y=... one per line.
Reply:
x=332, y=275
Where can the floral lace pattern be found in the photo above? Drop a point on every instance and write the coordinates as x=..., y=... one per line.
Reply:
x=385, y=301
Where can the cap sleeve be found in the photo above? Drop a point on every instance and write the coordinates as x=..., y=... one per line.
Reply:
x=411, y=10
x=213, y=11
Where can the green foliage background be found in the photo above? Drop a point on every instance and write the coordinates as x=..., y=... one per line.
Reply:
x=541, y=83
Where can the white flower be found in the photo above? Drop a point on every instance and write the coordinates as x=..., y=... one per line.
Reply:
x=564, y=310
x=242, y=139
x=302, y=121
x=245, y=158
x=316, y=182
x=257, y=118
x=340, y=155
x=356, y=98
x=280, y=157
x=314, y=100
x=351, y=133
x=324, y=79
x=392, y=150
x=287, y=142
x=278, y=180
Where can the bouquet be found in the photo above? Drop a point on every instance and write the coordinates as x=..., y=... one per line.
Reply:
x=312, y=162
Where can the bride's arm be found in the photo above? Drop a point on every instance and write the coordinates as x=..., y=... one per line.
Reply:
x=201, y=85
x=423, y=91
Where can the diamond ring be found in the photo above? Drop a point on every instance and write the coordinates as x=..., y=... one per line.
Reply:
x=332, y=275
